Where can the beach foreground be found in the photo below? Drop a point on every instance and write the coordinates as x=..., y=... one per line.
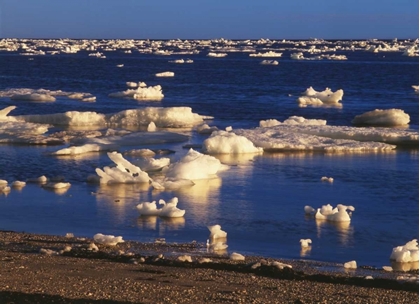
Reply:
x=33, y=270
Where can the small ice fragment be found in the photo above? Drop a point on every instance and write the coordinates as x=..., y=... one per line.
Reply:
x=237, y=256
x=350, y=265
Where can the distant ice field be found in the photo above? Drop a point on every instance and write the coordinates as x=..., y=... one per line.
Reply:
x=259, y=201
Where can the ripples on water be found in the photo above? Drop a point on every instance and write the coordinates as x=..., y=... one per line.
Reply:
x=260, y=200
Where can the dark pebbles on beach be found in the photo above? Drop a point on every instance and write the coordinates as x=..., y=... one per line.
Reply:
x=151, y=273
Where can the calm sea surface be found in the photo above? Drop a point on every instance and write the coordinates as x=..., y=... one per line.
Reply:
x=259, y=201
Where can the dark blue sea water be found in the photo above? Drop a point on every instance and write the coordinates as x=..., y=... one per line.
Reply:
x=259, y=201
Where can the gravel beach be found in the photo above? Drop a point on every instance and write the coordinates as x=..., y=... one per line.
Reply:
x=58, y=269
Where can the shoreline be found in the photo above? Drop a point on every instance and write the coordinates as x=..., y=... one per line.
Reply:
x=39, y=268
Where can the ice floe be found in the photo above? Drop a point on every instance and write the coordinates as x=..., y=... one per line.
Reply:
x=109, y=240
x=327, y=212
x=123, y=172
x=171, y=117
x=169, y=208
x=269, y=62
x=165, y=74
x=194, y=166
x=140, y=93
x=331, y=139
x=382, y=118
x=43, y=95
x=267, y=54
x=406, y=253
x=326, y=98
x=222, y=142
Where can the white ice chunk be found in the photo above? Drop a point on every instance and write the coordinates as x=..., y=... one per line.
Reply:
x=33, y=97
x=76, y=150
x=56, y=185
x=327, y=179
x=141, y=93
x=267, y=54
x=206, y=129
x=269, y=62
x=217, y=55
x=124, y=172
x=406, y=253
x=328, y=138
x=151, y=127
x=382, y=118
x=350, y=265
x=236, y=256
x=18, y=184
x=305, y=242
x=326, y=98
x=165, y=74
x=109, y=240
x=185, y=258
x=152, y=164
x=193, y=166
x=148, y=208
x=170, y=208
x=222, y=142
x=216, y=232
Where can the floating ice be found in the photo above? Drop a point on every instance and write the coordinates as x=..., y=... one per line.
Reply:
x=216, y=232
x=327, y=179
x=267, y=54
x=109, y=240
x=217, y=55
x=33, y=97
x=326, y=212
x=171, y=117
x=406, y=253
x=350, y=265
x=56, y=185
x=77, y=150
x=206, y=129
x=151, y=164
x=148, y=208
x=216, y=246
x=165, y=74
x=326, y=98
x=177, y=61
x=193, y=166
x=382, y=118
x=18, y=184
x=43, y=95
x=305, y=242
x=222, y=142
x=140, y=152
x=269, y=62
x=4, y=189
x=124, y=172
x=292, y=120
x=328, y=138
x=141, y=93
x=151, y=127
x=170, y=208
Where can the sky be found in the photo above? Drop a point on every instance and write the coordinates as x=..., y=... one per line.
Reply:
x=203, y=19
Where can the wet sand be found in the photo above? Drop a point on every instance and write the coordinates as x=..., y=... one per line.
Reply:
x=33, y=270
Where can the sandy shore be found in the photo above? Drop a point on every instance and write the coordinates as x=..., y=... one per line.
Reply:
x=33, y=270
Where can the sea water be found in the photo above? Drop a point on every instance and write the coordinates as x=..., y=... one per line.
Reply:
x=260, y=200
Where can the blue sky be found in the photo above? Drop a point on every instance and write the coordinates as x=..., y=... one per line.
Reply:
x=235, y=19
